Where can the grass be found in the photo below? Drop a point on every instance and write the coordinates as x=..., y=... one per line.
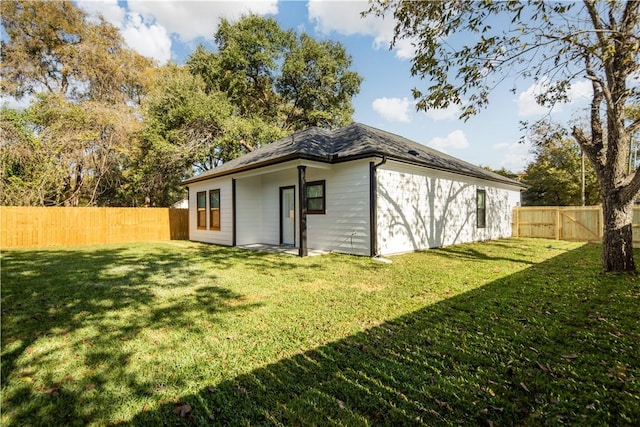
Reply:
x=512, y=332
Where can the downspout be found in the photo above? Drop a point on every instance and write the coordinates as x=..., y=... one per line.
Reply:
x=373, y=206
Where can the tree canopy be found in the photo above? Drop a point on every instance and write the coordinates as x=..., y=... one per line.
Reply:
x=555, y=176
x=75, y=137
x=279, y=76
x=107, y=126
x=262, y=83
x=463, y=50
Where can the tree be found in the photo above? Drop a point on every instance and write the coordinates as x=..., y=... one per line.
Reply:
x=86, y=84
x=55, y=48
x=555, y=43
x=503, y=171
x=187, y=129
x=554, y=177
x=278, y=76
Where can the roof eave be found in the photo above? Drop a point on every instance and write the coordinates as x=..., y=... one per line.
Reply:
x=415, y=162
x=252, y=166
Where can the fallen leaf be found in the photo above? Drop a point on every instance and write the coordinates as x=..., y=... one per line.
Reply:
x=90, y=386
x=53, y=390
x=569, y=356
x=211, y=388
x=183, y=409
x=441, y=403
x=340, y=403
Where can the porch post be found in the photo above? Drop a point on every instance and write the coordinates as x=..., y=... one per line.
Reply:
x=233, y=212
x=302, y=189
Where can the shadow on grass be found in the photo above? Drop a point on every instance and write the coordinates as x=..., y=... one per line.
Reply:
x=539, y=347
x=54, y=293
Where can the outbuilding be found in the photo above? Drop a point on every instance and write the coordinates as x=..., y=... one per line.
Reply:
x=356, y=190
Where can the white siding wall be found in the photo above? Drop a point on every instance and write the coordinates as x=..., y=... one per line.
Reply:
x=249, y=210
x=345, y=226
x=224, y=236
x=420, y=209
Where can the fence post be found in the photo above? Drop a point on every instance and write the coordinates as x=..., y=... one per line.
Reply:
x=601, y=223
x=557, y=223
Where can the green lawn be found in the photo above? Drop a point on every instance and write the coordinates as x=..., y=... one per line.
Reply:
x=512, y=332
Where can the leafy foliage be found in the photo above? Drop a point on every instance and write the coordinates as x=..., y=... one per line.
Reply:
x=279, y=76
x=54, y=48
x=108, y=127
x=81, y=123
x=260, y=84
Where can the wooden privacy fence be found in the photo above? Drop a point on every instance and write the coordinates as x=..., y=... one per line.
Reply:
x=577, y=223
x=24, y=227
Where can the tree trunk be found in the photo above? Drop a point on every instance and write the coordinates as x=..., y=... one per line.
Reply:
x=617, y=240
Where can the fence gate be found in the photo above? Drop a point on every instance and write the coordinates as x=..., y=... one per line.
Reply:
x=575, y=223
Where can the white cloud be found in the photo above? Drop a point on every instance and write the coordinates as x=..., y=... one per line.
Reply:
x=456, y=140
x=109, y=9
x=147, y=26
x=149, y=40
x=451, y=112
x=511, y=156
x=393, y=109
x=16, y=104
x=581, y=90
x=193, y=19
x=527, y=105
x=345, y=18
x=144, y=35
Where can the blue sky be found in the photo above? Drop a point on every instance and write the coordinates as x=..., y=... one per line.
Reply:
x=170, y=30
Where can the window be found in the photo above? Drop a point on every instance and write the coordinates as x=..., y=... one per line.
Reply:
x=202, y=209
x=315, y=197
x=214, y=209
x=481, y=208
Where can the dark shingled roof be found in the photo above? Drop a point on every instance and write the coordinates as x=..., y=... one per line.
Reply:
x=356, y=141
